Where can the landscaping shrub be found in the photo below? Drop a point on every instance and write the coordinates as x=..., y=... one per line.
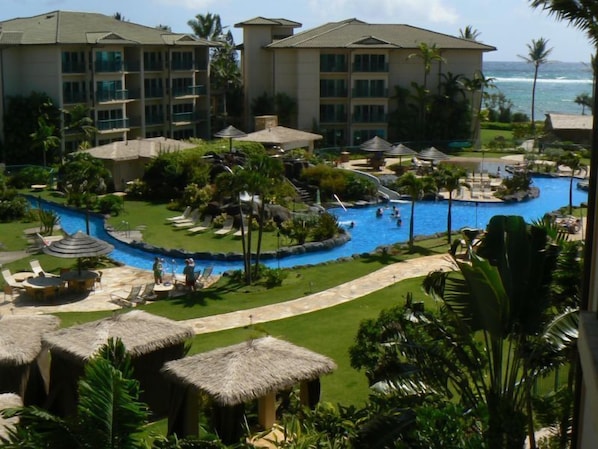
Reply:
x=110, y=204
x=326, y=227
x=29, y=175
x=298, y=228
x=197, y=196
x=273, y=277
x=333, y=181
x=14, y=209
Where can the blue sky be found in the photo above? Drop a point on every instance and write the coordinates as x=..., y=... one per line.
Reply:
x=508, y=25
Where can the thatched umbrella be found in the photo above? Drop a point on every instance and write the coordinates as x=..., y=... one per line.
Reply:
x=149, y=339
x=230, y=132
x=376, y=144
x=255, y=369
x=433, y=154
x=400, y=150
x=8, y=400
x=21, y=355
x=78, y=245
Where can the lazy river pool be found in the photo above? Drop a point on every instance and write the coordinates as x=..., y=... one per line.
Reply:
x=368, y=231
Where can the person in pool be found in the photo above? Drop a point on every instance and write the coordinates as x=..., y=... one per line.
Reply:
x=379, y=212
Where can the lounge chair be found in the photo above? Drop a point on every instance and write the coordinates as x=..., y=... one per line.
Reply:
x=188, y=223
x=39, y=271
x=226, y=228
x=147, y=293
x=10, y=280
x=129, y=300
x=183, y=216
x=203, y=279
x=39, y=241
x=205, y=225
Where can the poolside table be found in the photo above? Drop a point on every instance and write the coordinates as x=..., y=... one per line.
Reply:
x=21, y=276
x=43, y=287
x=162, y=291
x=80, y=282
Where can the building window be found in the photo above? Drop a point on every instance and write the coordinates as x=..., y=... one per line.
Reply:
x=370, y=63
x=182, y=86
x=153, y=88
x=333, y=88
x=370, y=88
x=73, y=62
x=152, y=60
x=182, y=60
x=111, y=119
x=362, y=135
x=111, y=90
x=369, y=114
x=333, y=137
x=108, y=61
x=74, y=92
x=182, y=112
x=154, y=114
x=332, y=113
x=333, y=63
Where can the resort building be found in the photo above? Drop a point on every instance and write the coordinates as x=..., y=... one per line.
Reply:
x=343, y=74
x=137, y=81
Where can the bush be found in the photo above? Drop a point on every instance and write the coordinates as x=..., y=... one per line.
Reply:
x=274, y=276
x=110, y=204
x=29, y=175
x=15, y=209
x=326, y=227
x=197, y=196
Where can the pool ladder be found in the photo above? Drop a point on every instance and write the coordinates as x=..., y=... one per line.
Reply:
x=124, y=228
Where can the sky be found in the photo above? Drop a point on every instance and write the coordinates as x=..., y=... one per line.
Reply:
x=508, y=25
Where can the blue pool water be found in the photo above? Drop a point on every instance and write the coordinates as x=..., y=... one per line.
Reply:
x=368, y=232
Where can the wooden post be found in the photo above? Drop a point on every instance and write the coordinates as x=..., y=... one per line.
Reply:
x=267, y=410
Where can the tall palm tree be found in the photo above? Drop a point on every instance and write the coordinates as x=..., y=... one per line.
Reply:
x=585, y=101
x=469, y=33
x=538, y=53
x=476, y=86
x=207, y=26
x=415, y=187
x=573, y=161
x=45, y=137
x=429, y=54
x=450, y=178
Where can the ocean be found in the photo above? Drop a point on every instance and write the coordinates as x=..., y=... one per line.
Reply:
x=558, y=84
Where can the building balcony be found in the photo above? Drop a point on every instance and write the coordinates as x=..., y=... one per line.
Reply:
x=375, y=118
x=153, y=66
x=185, y=117
x=184, y=91
x=370, y=93
x=74, y=97
x=333, y=68
x=112, y=95
x=335, y=93
x=112, y=124
x=333, y=118
x=370, y=67
x=132, y=66
x=154, y=92
x=156, y=119
x=108, y=66
x=73, y=67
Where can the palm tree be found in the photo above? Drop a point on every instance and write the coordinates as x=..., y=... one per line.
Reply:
x=415, y=187
x=573, y=161
x=538, y=53
x=478, y=83
x=78, y=121
x=45, y=137
x=584, y=100
x=469, y=33
x=207, y=26
x=429, y=54
x=449, y=177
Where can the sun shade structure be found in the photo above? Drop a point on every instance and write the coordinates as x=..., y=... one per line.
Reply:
x=432, y=154
x=150, y=340
x=400, y=150
x=285, y=138
x=230, y=132
x=376, y=144
x=78, y=245
x=256, y=369
x=23, y=362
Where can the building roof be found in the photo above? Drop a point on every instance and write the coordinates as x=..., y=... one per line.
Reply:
x=569, y=121
x=261, y=21
x=83, y=28
x=280, y=135
x=20, y=337
x=248, y=370
x=354, y=33
x=138, y=148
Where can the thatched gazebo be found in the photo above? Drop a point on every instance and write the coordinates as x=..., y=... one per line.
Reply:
x=23, y=363
x=8, y=400
x=149, y=339
x=231, y=376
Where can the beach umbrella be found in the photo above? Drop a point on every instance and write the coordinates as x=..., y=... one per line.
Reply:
x=432, y=154
x=400, y=150
x=78, y=245
x=230, y=132
x=376, y=144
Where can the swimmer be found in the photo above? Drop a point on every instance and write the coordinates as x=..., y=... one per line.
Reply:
x=399, y=221
x=351, y=225
x=379, y=212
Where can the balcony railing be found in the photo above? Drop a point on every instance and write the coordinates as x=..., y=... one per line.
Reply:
x=73, y=67
x=108, y=66
x=112, y=95
x=335, y=68
x=370, y=67
x=117, y=123
x=333, y=118
x=340, y=92
x=370, y=118
x=182, y=65
x=182, y=91
x=153, y=66
x=74, y=97
x=184, y=117
x=155, y=119
x=370, y=93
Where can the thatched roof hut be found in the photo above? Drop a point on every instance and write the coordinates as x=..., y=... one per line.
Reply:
x=150, y=340
x=23, y=363
x=8, y=400
x=255, y=369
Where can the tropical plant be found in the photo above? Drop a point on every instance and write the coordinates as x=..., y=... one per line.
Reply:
x=469, y=33
x=45, y=137
x=585, y=101
x=449, y=177
x=538, y=53
x=477, y=86
x=573, y=162
x=109, y=414
x=415, y=187
x=78, y=121
x=83, y=177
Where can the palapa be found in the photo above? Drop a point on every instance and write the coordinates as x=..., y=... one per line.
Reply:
x=140, y=332
x=78, y=245
x=249, y=370
x=20, y=337
x=432, y=154
x=376, y=144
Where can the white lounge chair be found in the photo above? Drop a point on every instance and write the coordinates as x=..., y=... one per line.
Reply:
x=226, y=228
x=10, y=280
x=188, y=223
x=183, y=216
x=203, y=226
x=39, y=271
x=129, y=300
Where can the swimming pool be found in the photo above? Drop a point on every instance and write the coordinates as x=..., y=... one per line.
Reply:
x=368, y=233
